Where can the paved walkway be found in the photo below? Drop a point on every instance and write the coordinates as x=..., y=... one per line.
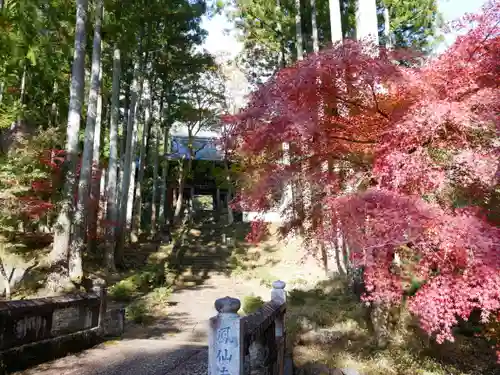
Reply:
x=175, y=345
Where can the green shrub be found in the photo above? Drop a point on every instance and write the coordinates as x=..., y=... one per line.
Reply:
x=161, y=295
x=251, y=304
x=148, y=278
x=138, y=313
x=125, y=290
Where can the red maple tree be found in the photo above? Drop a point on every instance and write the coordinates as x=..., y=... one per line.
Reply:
x=413, y=163
x=41, y=199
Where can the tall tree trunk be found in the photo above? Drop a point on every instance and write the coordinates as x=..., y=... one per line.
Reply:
x=97, y=174
x=335, y=21
x=22, y=90
x=156, y=153
x=126, y=110
x=82, y=205
x=299, y=42
x=102, y=212
x=111, y=191
x=54, y=111
x=387, y=29
x=298, y=31
x=149, y=136
x=288, y=188
x=230, y=216
x=96, y=152
x=366, y=20
x=164, y=202
x=183, y=176
x=279, y=27
x=314, y=25
x=62, y=228
x=184, y=171
x=137, y=212
x=366, y=24
x=336, y=37
x=129, y=167
x=131, y=188
x=122, y=148
x=180, y=195
x=315, y=190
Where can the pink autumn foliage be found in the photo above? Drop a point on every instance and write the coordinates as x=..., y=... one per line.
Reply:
x=422, y=134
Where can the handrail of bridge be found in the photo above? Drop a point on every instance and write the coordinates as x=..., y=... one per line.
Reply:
x=35, y=330
x=249, y=345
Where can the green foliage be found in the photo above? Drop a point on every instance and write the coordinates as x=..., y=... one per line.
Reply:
x=258, y=22
x=439, y=155
x=252, y=304
x=7, y=115
x=35, y=41
x=143, y=281
x=203, y=202
x=160, y=295
x=125, y=290
x=144, y=291
x=141, y=310
x=138, y=313
x=413, y=24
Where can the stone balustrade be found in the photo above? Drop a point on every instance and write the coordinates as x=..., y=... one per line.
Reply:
x=249, y=345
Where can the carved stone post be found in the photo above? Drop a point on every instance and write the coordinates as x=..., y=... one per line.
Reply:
x=225, y=348
x=103, y=295
x=278, y=294
x=258, y=353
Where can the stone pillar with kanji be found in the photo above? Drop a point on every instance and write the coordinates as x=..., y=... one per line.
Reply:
x=225, y=348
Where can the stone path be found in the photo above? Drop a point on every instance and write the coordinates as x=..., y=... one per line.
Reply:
x=175, y=345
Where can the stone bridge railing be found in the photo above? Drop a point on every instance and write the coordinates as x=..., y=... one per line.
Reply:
x=36, y=330
x=252, y=344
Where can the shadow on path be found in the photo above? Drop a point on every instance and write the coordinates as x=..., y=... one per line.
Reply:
x=130, y=358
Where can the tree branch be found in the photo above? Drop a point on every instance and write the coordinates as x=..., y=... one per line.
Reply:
x=368, y=141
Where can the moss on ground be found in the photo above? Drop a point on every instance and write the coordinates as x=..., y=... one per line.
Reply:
x=327, y=325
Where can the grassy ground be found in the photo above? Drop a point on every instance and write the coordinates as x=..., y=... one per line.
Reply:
x=23, y=256
x=273, y=259
x=328, y=326
x=144, y=290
